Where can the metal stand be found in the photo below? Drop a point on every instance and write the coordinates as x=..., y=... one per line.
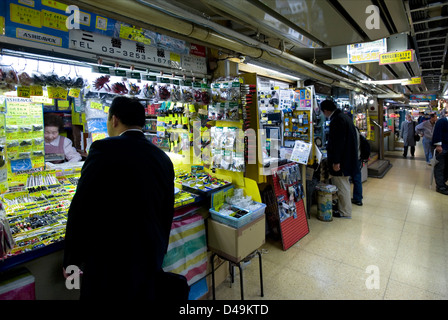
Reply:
x=237, y=264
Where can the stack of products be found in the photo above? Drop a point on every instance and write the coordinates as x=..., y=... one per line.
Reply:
x=199, y=182
x=227, y=144
x=233, y=208
x=36, y=219
x=183, y=198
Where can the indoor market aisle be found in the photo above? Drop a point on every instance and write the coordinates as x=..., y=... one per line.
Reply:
x=400, y=231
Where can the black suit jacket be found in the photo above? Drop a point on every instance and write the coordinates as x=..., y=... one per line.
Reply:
x=342, y=144
x=120, y=217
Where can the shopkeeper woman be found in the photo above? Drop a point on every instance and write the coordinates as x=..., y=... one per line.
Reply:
x=57, y=144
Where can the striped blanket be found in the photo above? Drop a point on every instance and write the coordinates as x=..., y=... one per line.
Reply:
x=187, y=249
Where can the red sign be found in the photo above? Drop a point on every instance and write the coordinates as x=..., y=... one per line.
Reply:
x=197, y=50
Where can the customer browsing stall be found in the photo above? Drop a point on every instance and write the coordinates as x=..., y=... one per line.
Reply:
x=342, y=151
x=56, y=146
x=120, y=217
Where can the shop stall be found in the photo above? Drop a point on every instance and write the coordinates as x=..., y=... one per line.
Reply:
x=231, y=138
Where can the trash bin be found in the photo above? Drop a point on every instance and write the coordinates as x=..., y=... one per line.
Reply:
x=325, y=194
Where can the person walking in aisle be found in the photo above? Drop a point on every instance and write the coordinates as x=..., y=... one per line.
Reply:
x=407, y=132
x=120, y=217
x=440, y=140
x=342, y=154
x=426, y=128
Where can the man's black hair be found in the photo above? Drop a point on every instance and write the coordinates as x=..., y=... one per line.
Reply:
x=328, y=105
x=130, y=111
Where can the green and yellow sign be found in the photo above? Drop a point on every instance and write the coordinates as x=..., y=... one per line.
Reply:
x=396, y=57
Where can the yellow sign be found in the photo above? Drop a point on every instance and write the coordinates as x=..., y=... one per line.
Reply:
x=57, y=93
x=23, y=91
x=2, y=25
x=25, y=15
x=54, y=20
x=74, y=92
x=175, y=57
x=54, y=4
x=36, y=91
x=397, y=57
x=416, y=80
x=134, y=34
x=96, y=105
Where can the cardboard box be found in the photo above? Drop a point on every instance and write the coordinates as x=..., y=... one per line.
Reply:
x=235, y=244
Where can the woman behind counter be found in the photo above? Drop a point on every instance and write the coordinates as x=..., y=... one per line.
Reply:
x=56, y=144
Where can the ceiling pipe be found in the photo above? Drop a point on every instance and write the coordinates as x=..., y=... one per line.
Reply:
x=170, y=9
x=160, y=17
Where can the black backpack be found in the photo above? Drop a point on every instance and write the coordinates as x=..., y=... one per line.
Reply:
x=364, y=147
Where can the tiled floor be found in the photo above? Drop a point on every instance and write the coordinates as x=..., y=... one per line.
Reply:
x=400, y=234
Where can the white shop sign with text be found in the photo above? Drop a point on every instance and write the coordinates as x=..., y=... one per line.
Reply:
x=133, y=51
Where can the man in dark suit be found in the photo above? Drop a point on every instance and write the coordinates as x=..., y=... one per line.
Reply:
x=342, y=154
x=120, y=217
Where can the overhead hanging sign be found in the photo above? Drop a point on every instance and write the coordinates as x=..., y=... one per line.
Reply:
x=397, y=57
x=366, y=52
x=413, y=81
x=423, y=97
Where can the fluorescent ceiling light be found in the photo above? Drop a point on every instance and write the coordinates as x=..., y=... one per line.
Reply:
x=273, y=72
x=393, y=81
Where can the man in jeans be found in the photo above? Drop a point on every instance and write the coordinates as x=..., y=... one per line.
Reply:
x=440, y=140
x=427, y=129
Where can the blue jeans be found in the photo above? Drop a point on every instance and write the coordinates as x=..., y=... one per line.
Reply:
x=428, y=147
x=357, y=186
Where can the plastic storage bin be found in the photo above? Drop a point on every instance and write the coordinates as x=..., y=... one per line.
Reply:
x=238, y=222
x=325, y=195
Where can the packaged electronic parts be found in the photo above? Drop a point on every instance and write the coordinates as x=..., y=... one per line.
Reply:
x=225, y=150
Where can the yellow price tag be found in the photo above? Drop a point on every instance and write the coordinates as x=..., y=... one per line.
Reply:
x=23, y=92
x=96, y=105
x=57, y=93
x=63, y=104
x=175, y=57
x=36, y=91
x=74, y=92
